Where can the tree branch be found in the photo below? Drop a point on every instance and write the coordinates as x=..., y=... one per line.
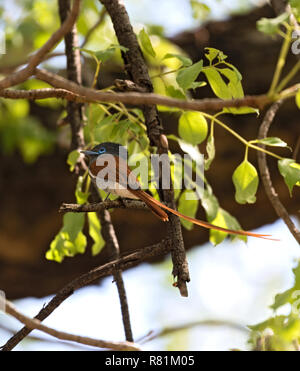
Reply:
x=74, y=110
x=186, y=326
x=22, y=75
x=41, y=94
x=266, y=177
x=104, y=205
x=34, y=324
x=140, y=99
x=137, y=70
x=112, y=244
x=129, y=261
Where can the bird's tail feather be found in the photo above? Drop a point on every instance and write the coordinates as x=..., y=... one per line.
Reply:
x=155, y=206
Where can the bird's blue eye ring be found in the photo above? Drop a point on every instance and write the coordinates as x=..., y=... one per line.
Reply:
x=102, y=150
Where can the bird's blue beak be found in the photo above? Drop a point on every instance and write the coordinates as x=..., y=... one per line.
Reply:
x=90, y=153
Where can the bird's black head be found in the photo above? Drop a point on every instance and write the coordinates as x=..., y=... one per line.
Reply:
x=110, y=148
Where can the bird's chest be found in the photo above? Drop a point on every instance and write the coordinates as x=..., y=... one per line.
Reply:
x=112, y=179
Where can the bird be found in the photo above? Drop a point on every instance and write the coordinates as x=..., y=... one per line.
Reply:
x=109, y=170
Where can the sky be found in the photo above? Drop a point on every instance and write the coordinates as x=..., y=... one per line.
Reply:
x=233, y=283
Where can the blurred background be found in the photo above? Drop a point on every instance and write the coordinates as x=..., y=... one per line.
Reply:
x=232, y=285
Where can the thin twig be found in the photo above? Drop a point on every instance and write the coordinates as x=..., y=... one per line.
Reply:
x=34, y=324
x=72, y=53
x=266, y=177
x=186, y=326
x=22, y=75
x=104, y=205
x=112, y=244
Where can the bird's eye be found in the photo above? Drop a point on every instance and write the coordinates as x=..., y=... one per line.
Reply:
x=102, y=150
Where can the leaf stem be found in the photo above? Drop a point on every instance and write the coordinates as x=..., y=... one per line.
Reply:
x=240, y=138
x=281, y=61
x=288, y=77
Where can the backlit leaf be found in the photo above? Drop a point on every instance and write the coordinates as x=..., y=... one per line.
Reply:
x=187, y=76
x=245, y=179
x=95, y=233
x=290, y=171
x=192, y=127
x=145, y=43
x=188, y=205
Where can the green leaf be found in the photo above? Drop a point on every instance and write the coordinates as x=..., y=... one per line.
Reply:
x=174, y=93
x=241, y=110
x=298, y=99
x=192, y=127
x=245, y=179
x=187, y=76
x=217, y=83
x=188, y=148
x=270, y=26
x=211, y=151
x=212, y=53
x=210, y=204
x=186, y=62
x=291, y=295
x=145, y=43
x=225, y=220
x=198, y=84
x=188, y=205
x=72, y=159
x=290, y=171
x=272, y=141
x=285, y=328
x=234, y=85
x=70, y=240
x=81, y=197
x=73, y=224
x=281, y=299
x=103, y=128
x=95, y=233
x=104, y=55
x=100, y=55
x=121, y=47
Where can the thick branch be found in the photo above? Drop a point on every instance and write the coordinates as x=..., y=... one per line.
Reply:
x=140, y=99
x=138, y=72
x=105, y=270
x=33, y=324
x=266, y=177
